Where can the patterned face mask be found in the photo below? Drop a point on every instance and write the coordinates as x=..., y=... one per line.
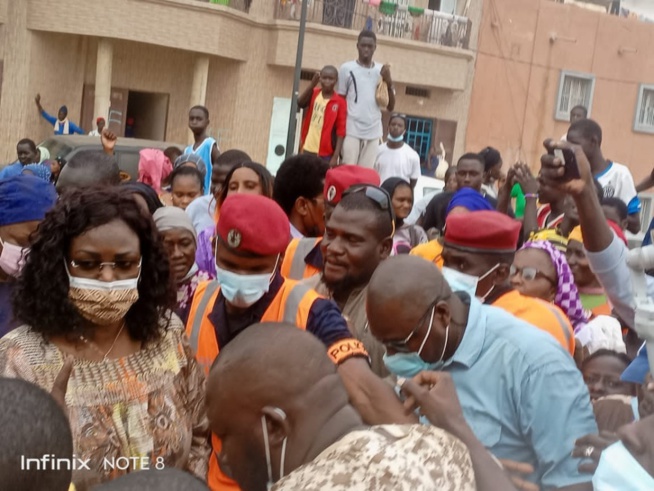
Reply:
x=102, y=302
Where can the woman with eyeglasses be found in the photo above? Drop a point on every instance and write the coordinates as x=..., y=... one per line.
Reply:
x=96, y=298
x=540, y=270
x=407, y=236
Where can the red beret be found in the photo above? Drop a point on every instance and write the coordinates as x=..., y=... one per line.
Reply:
x=255, y=224
x=490, y=231
x=340, y=178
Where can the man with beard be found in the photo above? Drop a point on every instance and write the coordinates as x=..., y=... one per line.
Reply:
x=358, y=236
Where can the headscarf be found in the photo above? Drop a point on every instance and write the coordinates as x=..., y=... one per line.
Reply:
x=567, y=295
x=470, y=199
x=390, y=185
x=146, y=192
x=44, y=153
x=194, y=159
x=170, y=217
x=576, y=235
x=551, y=235
x=24, y=198
x=154, y=167
x=39, y=170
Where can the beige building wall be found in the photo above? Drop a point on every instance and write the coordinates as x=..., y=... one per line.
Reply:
x=523, y=47
x=251, y=59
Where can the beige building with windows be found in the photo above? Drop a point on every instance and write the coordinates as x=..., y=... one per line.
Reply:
x=537, y=59
x=143, y=63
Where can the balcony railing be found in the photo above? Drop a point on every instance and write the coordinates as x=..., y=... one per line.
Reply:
x=392, y=19
x=242, y=5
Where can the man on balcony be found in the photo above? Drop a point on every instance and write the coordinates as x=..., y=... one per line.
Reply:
x=357, y=82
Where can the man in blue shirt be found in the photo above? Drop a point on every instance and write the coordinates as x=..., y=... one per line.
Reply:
x=27, y=154
x=60, y=124
x=520, y=391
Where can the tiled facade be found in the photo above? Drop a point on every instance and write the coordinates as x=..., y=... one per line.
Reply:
x=51, y=48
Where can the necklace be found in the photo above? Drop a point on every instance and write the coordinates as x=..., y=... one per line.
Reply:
x=95, y=346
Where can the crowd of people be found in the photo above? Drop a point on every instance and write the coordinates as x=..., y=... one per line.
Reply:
x=212, y=326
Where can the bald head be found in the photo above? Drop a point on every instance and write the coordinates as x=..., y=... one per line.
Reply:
x=403, y=284
x=260, y=366
x=153, y=480
x=401, y=290
x=275, y=376
x=88, y=168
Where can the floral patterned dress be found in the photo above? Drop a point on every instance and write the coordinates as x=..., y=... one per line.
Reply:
x=145, y=410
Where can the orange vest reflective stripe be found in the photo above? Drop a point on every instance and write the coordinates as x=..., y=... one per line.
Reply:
x=293, y=266
x=291, y=304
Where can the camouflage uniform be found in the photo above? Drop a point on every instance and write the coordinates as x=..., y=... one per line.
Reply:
x=385, y=458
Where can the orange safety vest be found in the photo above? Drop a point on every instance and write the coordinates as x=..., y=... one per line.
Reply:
x=291, y=304
x=293, y=266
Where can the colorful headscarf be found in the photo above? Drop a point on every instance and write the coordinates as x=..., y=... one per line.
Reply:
x=551, y=235
x=39, y=170
x=469, y=199
x=567, y=295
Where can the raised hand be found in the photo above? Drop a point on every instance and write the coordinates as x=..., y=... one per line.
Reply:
x=60, y=385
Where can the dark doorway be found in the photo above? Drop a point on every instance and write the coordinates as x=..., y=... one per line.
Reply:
x=147, y=115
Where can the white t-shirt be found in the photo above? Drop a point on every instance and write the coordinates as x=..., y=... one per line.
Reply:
x=617, y=181
x=401, y=162
x=358, y=85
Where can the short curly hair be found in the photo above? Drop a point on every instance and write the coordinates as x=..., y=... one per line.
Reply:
x=40, y=296
x=300, y=176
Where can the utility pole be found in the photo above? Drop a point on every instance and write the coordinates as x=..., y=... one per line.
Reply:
x=292, y=120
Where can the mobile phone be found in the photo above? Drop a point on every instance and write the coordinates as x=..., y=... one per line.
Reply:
x=569, y=160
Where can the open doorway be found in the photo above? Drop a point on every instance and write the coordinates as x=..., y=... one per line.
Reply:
x=147, y=115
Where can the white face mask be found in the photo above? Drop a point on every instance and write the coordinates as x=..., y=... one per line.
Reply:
x=618, y=469
x=244, y=290
x=462, y=282
x=266, y=442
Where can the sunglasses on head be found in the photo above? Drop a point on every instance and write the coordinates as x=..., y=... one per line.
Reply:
x=376, y=195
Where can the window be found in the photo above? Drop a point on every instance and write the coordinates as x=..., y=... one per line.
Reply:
x=574, y=89
x=645, y=110
x=416, y=91
x=418, y=135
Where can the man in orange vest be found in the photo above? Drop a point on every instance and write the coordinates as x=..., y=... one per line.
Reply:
x=303, y=257
x=478, y=250
x=252, y=234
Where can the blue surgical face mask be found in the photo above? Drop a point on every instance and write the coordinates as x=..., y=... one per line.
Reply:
x=409, y=365
x=462, y=282
x=244, y=290
x=395, y=139
x=618, y=469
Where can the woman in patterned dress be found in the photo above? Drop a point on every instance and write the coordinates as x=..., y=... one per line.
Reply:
x=96, y=292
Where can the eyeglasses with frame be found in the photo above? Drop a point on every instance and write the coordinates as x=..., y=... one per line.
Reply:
x=530, y=274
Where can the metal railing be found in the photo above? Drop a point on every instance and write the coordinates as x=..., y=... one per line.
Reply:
x=242, y=5
x=390, y=18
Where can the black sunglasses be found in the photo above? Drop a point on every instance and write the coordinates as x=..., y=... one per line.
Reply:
x=375, y=194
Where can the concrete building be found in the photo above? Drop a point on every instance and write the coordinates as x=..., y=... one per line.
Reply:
x=150, y=60
x=536, y=59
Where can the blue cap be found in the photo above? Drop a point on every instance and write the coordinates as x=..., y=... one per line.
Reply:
x=25, y=198
x=638, y=368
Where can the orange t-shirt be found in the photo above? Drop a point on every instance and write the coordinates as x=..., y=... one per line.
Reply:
x=545, y=316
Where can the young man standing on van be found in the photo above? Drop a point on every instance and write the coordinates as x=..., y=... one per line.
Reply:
x=204, y=146
x=357, y=82
x=323, y=129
